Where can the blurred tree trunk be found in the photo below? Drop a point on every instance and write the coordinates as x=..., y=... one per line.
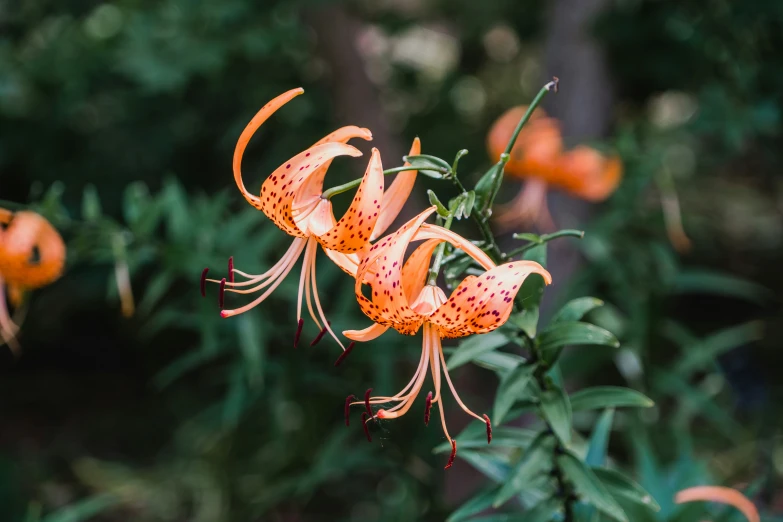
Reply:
x=355, y=97
x=583, y=105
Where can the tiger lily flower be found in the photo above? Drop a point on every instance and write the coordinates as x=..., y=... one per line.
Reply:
x=292, y=198
x=538, y=157
x=402, y=299
x=32, y=255
x=722, y=495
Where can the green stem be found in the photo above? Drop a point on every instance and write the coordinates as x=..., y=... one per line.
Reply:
x=545, y=239
x=339, y=189
x=532, y=107
x=483, y=226
x=441, y=248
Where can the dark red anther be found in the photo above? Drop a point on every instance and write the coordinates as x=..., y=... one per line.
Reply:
x=427, y=408
x=222, y=293
x=453, y=454
x=299, y=327
x=345, y=353
x=204, y=282
x=489, y=428
x=366, y=429
x=320, y=335
x=231, y=269
x=348, y=401
x=367, y=401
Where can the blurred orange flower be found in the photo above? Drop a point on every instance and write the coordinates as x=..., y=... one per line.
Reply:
x=32, y=255
x=538, y=157
x=723, y=495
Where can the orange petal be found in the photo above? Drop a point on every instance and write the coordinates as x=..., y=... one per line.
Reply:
x=313, y=187
x=481, y=304
x=428, y=231
x=368, y=334
x=389, y=305
x=587, y=173
x=396, y=195
x=244, y=138
x=538, y=145
x=29, y=235
x=352, y=232
x=723, y=495
x=416, y=268
x=280, y=188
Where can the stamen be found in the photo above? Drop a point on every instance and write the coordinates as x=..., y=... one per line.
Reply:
x=231, y=269
x=204, y=282
x=367, y=401
x=299, y=327
x=222, y=292
x=345, y=353
x=320, y=335
x=453, y=454
x=366, y=429
x=489, y=428
x=427, y=407
x=348, y=409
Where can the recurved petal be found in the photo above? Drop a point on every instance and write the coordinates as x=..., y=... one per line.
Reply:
x=428, y=231
x=244, y=138
x=314, y=185
x=723, y=495
x=352, y=232
x=368, y=334
x=389, y=305
x=280, y=188
x=481, y=304
x=396, y=195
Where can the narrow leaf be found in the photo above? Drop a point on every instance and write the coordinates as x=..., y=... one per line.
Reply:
x=621, y=486
x=589, y=487
x=511, y=388
x=575, y=309
x=535, y=461
x=697, y=356
x=557, y=411
x=475, y=346
x=600, y=397
x=553, y=338
x=475, y=505
x=599, y=440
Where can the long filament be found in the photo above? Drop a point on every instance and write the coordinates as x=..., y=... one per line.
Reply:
x=448, y=380
x=318, y=302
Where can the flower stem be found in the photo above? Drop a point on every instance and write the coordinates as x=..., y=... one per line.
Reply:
x=435, y=269
x=339, y=189
x=532, y=107
x=545, y=239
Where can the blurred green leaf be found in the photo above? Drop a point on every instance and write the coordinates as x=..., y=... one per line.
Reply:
x=511, y=388
x=477, y=504
x=588, y=485
x=535, y=461
x=620, y=485
x=475, y=346
x=557, y=335
x=709, y=282
x=575, y=309
x=705, y=351
x=599, y=440
x=600, y=397
x=83, y=509
x=557, y=411
x=91, y=204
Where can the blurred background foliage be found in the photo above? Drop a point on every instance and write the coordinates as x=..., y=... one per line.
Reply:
x=118, y=121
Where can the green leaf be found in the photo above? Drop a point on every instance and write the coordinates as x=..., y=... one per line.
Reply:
x=511, y=388
x=541, y=512
x=575, y=309
x=442, y=210
x=621, y=486
x=589, y=487
x=599, y=440
x=475, y=346
x=475, y=436
x=470, y=202
x=709, y=282
x=704, y=352
x=490, y=464
x=599, y=397
x=535, y=461
x=475, y=505
x=557, y=411
x=83, y=509
x=91, y=204
x=529, y=296
x=252, y=348
x=554, y=337
x=154, y=292
x=486, y=186
x=527, y=236
x=436, y=164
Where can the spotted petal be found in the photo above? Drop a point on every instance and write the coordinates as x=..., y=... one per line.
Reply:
x=352, y=231
x=396, y=195
x=244, y=138
x=416, y=269
x=389, y=305
x=428, y=231
x=280, y=188
x=481, y=304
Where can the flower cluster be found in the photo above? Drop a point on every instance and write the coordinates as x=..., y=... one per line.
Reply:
x=403, y=292
x=32, y=255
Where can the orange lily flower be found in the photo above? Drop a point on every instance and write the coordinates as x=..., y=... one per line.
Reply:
x=539, y=158
x=292, y=198
x=32, y=255
x=723, y=495
x=401, y=299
